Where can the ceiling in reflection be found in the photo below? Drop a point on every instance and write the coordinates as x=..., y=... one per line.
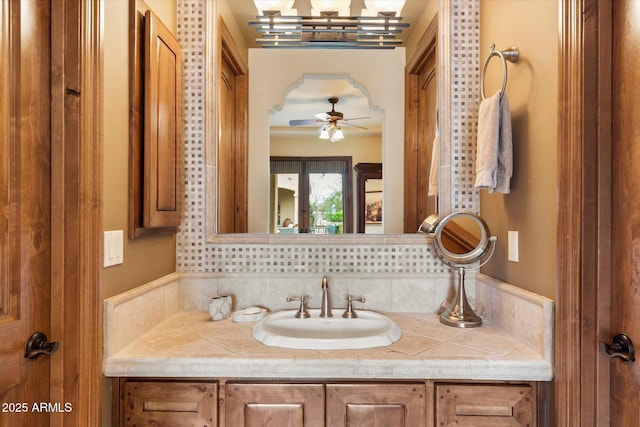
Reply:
x=311, y=98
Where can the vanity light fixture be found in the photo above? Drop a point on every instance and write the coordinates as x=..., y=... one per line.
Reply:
x=330, y=25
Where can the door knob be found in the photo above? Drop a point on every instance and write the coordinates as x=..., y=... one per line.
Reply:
x=621, y=347
x=38, y=345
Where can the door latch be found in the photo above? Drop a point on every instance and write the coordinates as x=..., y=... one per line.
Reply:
x=39, y=345
x=621, y=347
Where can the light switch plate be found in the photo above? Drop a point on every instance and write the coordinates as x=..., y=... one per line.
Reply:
x=113, y=247
x=513, y=247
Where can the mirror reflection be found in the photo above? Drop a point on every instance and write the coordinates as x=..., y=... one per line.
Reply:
x=462, y=238
x=461, y=234
x=315, y=142
x=291, y=115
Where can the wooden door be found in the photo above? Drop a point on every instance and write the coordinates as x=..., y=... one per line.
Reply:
x=232, y=140
x=25, y=206
x=226, y=148
x=625, y=242
x=420, y=130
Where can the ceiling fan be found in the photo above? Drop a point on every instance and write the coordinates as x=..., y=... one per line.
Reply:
x=331, y=122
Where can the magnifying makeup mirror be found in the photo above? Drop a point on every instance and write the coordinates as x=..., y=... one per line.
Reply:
x=461, y=240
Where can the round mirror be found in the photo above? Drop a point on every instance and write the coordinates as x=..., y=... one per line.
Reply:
x=462, y=238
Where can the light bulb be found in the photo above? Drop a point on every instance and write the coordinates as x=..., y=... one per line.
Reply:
x=341, y=6
x=373, y=7
x=284, y=6
x=337, y=136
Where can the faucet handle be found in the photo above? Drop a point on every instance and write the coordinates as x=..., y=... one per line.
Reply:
x=302, y=312
x=350, y=313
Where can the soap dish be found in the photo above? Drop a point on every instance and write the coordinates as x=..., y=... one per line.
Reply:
x=249, y=314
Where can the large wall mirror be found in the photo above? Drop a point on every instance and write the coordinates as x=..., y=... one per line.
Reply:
x=367, y=83
x=297, y=84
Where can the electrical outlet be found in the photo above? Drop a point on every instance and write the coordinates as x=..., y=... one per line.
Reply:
x=113, y=247
x=513, y=246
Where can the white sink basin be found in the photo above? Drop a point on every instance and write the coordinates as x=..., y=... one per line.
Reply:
x=368, y=330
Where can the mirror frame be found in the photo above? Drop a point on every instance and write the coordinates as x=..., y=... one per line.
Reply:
x=454, y=120
x=463, y=259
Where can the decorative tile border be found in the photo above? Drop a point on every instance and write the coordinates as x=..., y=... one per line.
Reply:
x=397, y=259
x=194, y=254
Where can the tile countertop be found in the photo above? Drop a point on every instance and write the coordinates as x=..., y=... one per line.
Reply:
x=189, y=344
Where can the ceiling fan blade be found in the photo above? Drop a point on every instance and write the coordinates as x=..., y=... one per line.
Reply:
x=355, y=118
x=322, y=116
x=355, y=126
x=308, y=122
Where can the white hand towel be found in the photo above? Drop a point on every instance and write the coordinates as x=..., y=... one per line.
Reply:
x=494, y=158
x=433, y=173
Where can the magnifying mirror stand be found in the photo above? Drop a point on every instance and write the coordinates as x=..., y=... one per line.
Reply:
x=460, y=314
x=466, y=248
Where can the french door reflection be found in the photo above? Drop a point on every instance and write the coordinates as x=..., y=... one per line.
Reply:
x=311, y=195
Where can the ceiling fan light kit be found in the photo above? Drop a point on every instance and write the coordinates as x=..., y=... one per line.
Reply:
x=331, y=120
x=330, y=25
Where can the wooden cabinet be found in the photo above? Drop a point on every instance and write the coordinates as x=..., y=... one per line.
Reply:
x=229, y=403
x=156, y=129
x=491, y=405
x=376, y=404
x=274, y=405
x=168, y=403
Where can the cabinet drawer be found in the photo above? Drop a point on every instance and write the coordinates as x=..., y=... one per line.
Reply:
x=168, y=403
x=492, y=405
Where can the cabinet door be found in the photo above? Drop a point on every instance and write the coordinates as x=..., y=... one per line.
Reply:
x=274, y=405
x=162, y=124
x=485, y=405
x=169, y=403
x=376, y=405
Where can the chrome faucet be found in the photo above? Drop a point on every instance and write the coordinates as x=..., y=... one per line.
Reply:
x=325, y=308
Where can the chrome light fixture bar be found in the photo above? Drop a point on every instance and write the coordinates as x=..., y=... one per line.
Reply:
x=329, y=30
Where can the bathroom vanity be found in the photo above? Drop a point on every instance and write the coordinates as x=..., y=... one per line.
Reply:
x=222, y=402
x=170, y=363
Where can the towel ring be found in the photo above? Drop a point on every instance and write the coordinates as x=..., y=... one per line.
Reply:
x=511, y=54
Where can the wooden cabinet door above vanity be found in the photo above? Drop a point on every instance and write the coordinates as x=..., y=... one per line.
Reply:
x=156, y=125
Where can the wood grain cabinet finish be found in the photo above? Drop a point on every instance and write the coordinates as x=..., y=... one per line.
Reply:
x=490, y=405
x=162, y=117
x=274, y=405
x=156, y=129
x=168, y=403
x=233, y=403
x=376, y=405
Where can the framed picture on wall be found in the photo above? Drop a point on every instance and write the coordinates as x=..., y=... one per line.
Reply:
x=373, y=207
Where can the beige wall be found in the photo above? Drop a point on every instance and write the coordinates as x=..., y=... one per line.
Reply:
x=531, y=208
x=366, y=149
x=137, y=268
